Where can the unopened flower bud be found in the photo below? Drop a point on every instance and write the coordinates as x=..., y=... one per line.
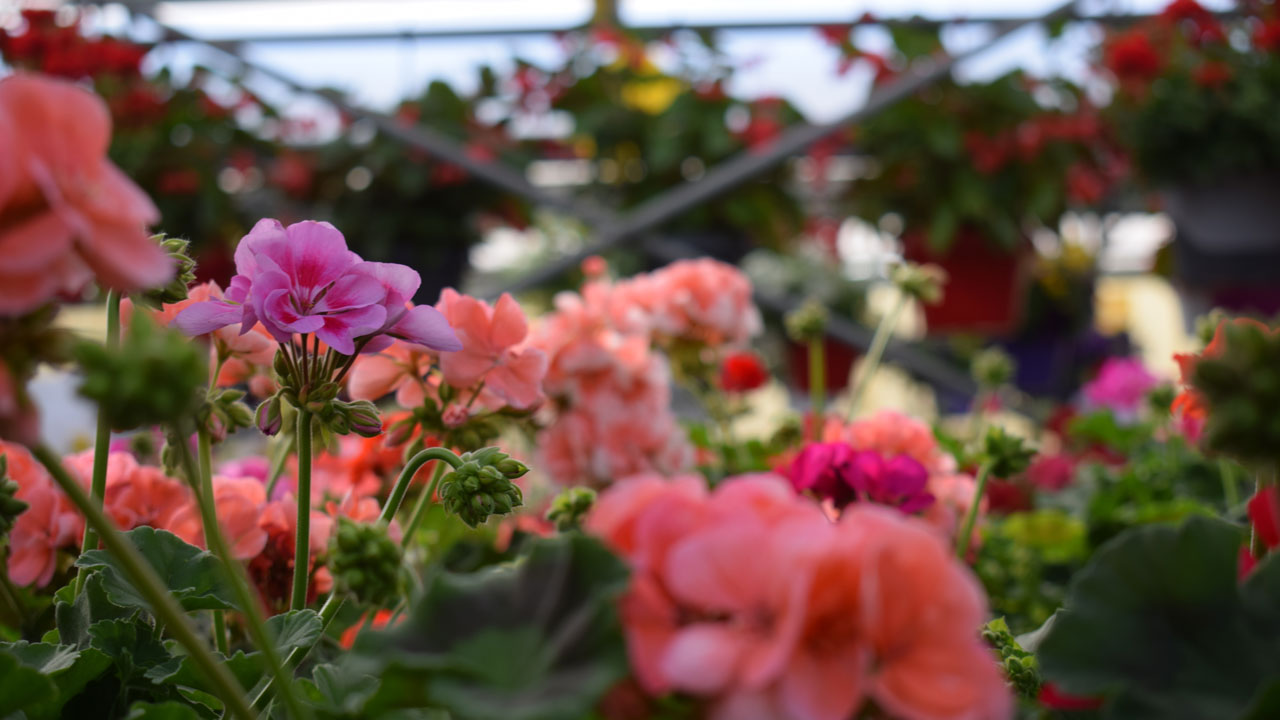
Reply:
x=400, y=431
x=365, y=561
x=10, y=506
x=268, y=416
x=481, y=486
x=1006, y=454
x=364, y=417
x=184, y=274
x=512, y=468
x=991, y=368
x=570, y=507
x=807, y=322
x=922, y=282
x=455, y=415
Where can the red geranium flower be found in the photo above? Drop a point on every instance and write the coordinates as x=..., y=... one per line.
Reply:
x=1212, y=74
x=742, y=371
x=1131, y=57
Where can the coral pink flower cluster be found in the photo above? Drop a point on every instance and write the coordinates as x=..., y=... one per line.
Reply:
x=496, y=364
x=750, y=598
x=67, y=214
x=702, y=300
x=893, y=435
x=612, y=390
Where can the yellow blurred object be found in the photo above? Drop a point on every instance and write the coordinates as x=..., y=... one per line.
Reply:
x=584, y=146
x=651, y=95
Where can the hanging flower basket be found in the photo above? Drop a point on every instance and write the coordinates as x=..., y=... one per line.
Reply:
x=985, y=284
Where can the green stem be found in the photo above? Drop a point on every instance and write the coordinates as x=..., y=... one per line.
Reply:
x=966, y=528
x=205, y=469
x=879, y=342
x=278, y=462
x=332, y=606
x=254, y=621
x=11, y=594
x=1230, y=490
x=817, y=375
x=420, y=509
x=102, y=439
x=302, y=540
x=149, y=585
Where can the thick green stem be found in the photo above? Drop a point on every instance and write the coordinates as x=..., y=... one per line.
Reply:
x=1230, y=490
x=205, y=468
x=420, y=509
x=278, y=461
x=966, y=528
x=302, y=539
x=879, y=342
x=102, y=438
x=817, y=375
x=149, y=585
x=255, y=623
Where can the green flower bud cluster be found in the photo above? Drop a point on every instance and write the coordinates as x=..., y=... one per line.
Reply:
x=922, y=282
x=1019, y=666
x=1240, y=388
x=153, y=378
x=343, y=418
x=10, y=506
x=482, y=486
x=570, y=507
x=224, y=413
x=366, y=562
x=991, y=368
x=1006, y=454
x=1160, y=399
x=184, y=274
x=1207, y=324
x=807, y=322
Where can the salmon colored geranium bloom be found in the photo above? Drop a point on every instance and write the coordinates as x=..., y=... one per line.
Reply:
x=49, y=522
x=493, y=349
x=67, y=214
x=239, y=504
x=401, y=368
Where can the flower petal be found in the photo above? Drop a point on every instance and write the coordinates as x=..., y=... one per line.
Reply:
x=424, y=325
x=205, y=317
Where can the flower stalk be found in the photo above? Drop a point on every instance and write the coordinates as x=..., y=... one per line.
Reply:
x=875, y=354
x=817, y=375
x=205, y=470
x=102, y=439
x=302, y=540
x=970, y=517
x=149, y=585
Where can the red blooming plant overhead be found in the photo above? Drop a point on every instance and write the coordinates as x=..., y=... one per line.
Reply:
x=1196, y=96
x=991, y=159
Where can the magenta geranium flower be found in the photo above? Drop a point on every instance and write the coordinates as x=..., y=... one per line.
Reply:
x=302, y=279
x=837, y=472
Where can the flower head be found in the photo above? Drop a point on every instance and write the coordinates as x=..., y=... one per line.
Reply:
x=67, y=214
x=1120, y=386
x=742, y=371
x=492, y=349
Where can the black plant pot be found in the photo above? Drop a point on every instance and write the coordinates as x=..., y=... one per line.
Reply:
x=1228, y=242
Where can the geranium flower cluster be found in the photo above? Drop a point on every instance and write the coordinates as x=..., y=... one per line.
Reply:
x=259, y=530
x=749, y=598
x=889, y=459
x=612, y=390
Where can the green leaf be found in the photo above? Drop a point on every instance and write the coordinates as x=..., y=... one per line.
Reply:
x=69, y=668
x=335, y=692
x=161, y=711
x=21, y=687
x=1158, y=621
x=535, y=640
x=90, y=606
x=134, y=645
x=194, y=576
x=248, y=669
x=295, y=629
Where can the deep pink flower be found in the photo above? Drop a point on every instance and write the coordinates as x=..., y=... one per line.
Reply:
x=1120, y=386
x=303, y=279
x=837, y=472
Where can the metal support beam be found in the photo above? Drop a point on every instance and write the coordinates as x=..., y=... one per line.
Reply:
x=748, y=164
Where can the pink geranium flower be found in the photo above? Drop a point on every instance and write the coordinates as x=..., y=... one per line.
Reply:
x=1120, y=386
x=239, y=504
x=840, y=474
x=400, y=368
x=302, y=279
x=67, y=214
x=492, y=349
x=50, y=521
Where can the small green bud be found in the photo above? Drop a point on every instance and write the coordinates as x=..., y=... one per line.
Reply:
x=570, y=507
x=1239, y=385
x=479, y=487
x=10, y=506
x=366, y=562
x=268, y=416
x=1006, y=454
x=991, y=368
x=922, y=282
x=807, y=322
x=184, y=274
x=156, y=376
x=364, y=418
